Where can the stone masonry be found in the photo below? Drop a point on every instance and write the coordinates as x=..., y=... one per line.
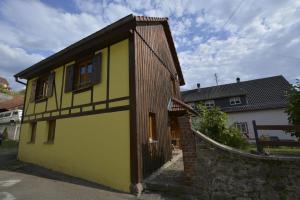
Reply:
x=221, y=172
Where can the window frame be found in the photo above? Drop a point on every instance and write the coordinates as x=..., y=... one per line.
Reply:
x=235, y=100
x=208, y=103
x=152, y=128
x=33, y=128
x=83, y=63
x=45, y=81
x=51, y=131
x=239, y=126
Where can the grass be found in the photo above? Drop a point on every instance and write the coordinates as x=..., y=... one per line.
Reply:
x=286, y=151
x=9, y=144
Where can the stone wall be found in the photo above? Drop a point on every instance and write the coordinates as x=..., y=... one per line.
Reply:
x=225, y=173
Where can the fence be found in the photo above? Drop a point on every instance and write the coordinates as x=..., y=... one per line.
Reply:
x=260, y=144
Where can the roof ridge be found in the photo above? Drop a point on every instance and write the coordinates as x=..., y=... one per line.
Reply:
x=257, y=79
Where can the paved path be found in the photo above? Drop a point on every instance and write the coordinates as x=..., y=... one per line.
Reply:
x=15, y=185
x=19, y=181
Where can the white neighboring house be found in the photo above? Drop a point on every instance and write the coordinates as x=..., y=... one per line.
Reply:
x=11, y=122
x=263, y=100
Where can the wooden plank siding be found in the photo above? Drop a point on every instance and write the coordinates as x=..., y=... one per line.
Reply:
x=154, y=89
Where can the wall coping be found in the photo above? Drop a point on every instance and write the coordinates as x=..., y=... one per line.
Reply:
x=240, y=152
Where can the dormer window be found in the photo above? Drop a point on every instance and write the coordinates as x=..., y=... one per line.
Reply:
x=235, y=101
x=209, y=103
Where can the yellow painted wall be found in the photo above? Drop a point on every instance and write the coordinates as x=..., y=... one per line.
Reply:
x=90, y=147
x=119, y=70
x=100, y=89
x=118, y=84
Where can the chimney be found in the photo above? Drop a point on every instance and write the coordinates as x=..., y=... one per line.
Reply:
x=238, y=79
x=198, y=86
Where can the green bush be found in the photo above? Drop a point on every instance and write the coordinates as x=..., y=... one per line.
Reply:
x=213, y=123
x=5, y=134
x=293, y=107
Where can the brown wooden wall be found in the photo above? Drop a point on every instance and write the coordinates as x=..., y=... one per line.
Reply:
x=154, y=88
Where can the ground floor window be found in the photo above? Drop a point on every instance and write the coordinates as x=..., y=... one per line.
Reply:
x=51, y=131
x=242, y=127
x=152, y=128
x=32, y=132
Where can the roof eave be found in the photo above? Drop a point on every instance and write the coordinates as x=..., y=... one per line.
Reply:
x=128, y=19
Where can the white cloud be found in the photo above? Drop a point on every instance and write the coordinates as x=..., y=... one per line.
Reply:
x=261, y=39
x=13, y=60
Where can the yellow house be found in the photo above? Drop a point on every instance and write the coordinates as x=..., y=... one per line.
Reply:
x=98, y=109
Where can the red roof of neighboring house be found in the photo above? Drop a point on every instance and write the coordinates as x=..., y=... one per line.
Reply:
x=3, y=81
x=16, y=101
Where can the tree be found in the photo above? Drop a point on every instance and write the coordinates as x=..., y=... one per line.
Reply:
x=293, y=107
x=213, y=123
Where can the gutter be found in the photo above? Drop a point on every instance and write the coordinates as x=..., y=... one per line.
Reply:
x=17, y=80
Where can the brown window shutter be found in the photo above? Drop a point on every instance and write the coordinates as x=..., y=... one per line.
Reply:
x=50, y=84
x=69, y=78
x=97, y=65
x=33, y=89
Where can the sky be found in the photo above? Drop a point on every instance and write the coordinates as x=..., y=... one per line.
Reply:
x=230, y=38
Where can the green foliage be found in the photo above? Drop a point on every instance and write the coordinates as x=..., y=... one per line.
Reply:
x=3, y=90
x=213, y=123
x=5, y=134
x=293, y=108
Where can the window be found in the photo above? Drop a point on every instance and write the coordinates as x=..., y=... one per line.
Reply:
x=209, y=103
x=84, y=73
x=33, y=132
x=15, y=113
x=152, y=128
x=174, y=87
x=51, y=131
x=235, y=101
x=41, y=88
x=242, y=127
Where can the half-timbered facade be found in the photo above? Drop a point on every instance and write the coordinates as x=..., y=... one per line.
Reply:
x=98, y=109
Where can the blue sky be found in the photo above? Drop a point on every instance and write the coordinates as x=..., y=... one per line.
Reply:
x=233, y=38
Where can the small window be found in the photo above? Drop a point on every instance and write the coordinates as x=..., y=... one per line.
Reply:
x=235, y=101
x=41, y=88
x=174, y=86
x=209, y=103
x=51, y=131
x=15, y=113
x=83, y=74
x=33, y=132
x=242, y=127
x=152, y=136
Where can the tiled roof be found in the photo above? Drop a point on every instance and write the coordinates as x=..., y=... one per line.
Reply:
x=265, y=93
x=16, y=101
x=107, y=33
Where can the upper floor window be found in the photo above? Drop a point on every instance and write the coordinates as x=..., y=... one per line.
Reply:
x=84, y=73
x=209, y=103
x=235, y=101
x=42, y=87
